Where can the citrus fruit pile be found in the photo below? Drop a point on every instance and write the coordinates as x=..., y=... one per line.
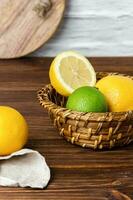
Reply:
x=72, y=75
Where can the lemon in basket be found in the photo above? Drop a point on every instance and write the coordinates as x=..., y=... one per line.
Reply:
x=87, y=99
x=13, y=130
x=118, y=91
x=69, y=71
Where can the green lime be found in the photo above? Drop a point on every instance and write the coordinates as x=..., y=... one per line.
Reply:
x=87, y=99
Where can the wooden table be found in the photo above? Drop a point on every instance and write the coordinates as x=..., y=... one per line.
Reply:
x=77, y=173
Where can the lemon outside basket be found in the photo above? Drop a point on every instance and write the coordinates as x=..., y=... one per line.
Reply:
x=93, y=130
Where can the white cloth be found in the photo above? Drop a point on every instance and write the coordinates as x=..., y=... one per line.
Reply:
x=24, y=168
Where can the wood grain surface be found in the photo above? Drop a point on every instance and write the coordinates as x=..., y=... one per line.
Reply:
x=22, y=31
x=77, y=173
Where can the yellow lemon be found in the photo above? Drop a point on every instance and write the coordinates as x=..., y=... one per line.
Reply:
x=118, y=91
x=69, y=71
x=13, y=130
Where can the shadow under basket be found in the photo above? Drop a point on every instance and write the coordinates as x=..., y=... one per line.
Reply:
x=91, y=130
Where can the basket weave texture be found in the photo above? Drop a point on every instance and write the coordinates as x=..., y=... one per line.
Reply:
x=93, y=130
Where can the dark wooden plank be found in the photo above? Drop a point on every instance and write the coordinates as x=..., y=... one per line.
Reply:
x=77, y=173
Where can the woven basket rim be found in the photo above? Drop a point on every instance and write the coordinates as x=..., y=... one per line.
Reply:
x=106, y=116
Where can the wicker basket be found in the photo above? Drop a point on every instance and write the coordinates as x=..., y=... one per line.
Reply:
x=93, y=130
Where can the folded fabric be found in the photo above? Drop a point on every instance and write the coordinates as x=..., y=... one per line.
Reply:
x=24, y=168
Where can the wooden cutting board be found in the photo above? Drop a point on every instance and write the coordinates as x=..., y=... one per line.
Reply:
x=25, y=25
